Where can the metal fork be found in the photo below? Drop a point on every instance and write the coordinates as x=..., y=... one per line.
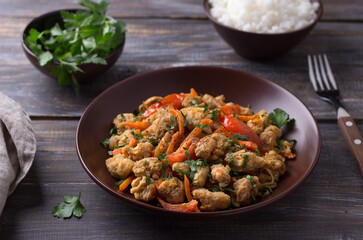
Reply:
x=325, y=87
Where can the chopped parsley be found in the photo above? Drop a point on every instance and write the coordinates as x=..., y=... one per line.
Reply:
x=202, y=126
x=123, y=117
x=162, y=156
x=193, y=168
x=280, y=147
x=105, y=143
x=148, y=180
x=172, y=122
x=228, y=189
x=187, y=154
x=215, y=188
x=201, y=163
x=215, y=114
x=185, y=119
x=245, y=160
x=237, y=136
x=195, y=104
x=136, y=135
x=117, y=184
x=251, y=180
x=279, y=117
x=184, y=173
x=165, y=166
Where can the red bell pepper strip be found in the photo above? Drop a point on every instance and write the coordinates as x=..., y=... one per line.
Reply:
x=174, y=100
x=238, y=127
x=181, y=207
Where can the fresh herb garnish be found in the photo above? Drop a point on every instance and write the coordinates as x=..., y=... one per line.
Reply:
x=117, y=184
x=136, y=135
x=237, y=136
x=185, y=119
x=187, y=154
x=279, y=117
x=184, y=173
x=148, y=180
x=70, y=206
x=172, y=122
x=215, y=188
x=202, y=126
x=201, y=163
x=228, y=189
x=251, y=180
x=245, y=160
x=193, y=168
x=123, y=117
x=215, y=114
x=195, y=104
x=105, y=143
x=85, y=36
x=164, y=167
x=162, y=156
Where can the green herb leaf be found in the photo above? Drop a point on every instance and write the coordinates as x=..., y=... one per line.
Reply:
x=185, y=119
x=148, y=180
x=215, y=114
x=117, y=184
x=172, y=122
x=245, y=160
x=237, y=136
x=45, y=58
x=279, y=117
x=162, y=156
x=70, y=206
x=136, y=135
x=195, y=104
x=202, y=126
x=251, y=180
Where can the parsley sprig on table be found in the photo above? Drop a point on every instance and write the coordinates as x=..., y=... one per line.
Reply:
x=70, y=206
x=85, y=36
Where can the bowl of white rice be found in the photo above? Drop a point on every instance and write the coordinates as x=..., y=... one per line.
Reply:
x=263, y=29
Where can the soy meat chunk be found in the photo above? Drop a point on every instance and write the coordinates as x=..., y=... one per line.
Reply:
x=172, y=190
x=270, y=136
x=119, y=167
x=142, y=150
x=158, y=128
x=143, y=190
x=148, y=166
x=182, y=166
x=200, y=177
x=245, y=190
x=220, y=174
x=212, y=102
x=120, y=119
x=193, y=116
x=211, y=201
x=244, y=161
x=211, y=147
x=259, y=123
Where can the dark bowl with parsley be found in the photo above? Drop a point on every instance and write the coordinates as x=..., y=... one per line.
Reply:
x=73, y=56
x=242, y=88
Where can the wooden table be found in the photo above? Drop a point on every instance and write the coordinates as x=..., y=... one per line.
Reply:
x=162, y=33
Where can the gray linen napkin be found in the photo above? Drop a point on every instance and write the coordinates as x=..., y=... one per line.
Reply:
x=17, y=146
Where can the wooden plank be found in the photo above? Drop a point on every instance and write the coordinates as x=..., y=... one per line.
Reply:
x=328, y=205
x=161, y=43
x=333, y=9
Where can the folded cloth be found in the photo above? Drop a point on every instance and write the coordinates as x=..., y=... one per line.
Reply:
x=17, y=146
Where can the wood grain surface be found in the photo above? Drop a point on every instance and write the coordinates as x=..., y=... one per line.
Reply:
x=328, y=205
x=161, y=43
x=161, y=33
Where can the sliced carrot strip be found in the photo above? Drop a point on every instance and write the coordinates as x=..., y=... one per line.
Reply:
x=180, y=119
x=126, y=183
x=248, y=144
x=138, y=125
x=245, y=118
x=193, y=92
x=197, y=130
x=187, y=188
x=175, y=139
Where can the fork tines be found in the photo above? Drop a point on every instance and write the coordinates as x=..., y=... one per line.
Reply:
x=320, y=73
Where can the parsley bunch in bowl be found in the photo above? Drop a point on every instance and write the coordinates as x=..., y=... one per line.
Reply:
x=66, y=42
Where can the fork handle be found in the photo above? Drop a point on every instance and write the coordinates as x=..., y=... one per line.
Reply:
x=354, y=140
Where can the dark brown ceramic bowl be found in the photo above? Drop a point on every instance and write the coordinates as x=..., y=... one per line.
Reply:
x=237, y=86
x=261, y=46
x=90, y=70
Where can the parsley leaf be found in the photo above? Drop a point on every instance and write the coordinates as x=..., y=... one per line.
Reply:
x=195, y=104
x=251, y=180
x=172, y=122
x=117, y=184
x=237, y=136
x=185, y=119
x=215, y=114
x=245, y=160
x=136, y=135
x=70, y=206
x=279, y=117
